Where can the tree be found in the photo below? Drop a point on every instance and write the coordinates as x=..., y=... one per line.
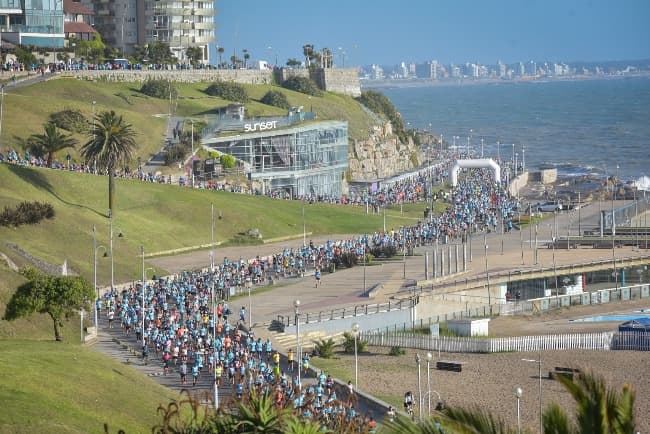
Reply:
x=227, y=161
x=220, y=50
x=195, y=54
x=112, y=143
x=308, y=52
x=52, y=141
x=293, y=62
x=160, y=53
x=91, y=50
x=246, y=57
x=58, y=296
x=600, y=409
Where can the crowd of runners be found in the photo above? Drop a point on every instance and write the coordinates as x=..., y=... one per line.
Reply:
x=187, y=331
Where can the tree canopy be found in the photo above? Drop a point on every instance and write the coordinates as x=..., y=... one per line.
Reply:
x=58, y=296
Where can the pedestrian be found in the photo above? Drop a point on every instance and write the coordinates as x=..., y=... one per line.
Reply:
x=183, y=372
x=290, y=358
x=317, y=277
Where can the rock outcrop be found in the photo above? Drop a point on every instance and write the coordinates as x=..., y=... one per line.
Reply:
x=382, y=155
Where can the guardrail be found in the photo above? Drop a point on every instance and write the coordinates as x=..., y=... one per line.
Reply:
x=478, y=281
x=345, y=312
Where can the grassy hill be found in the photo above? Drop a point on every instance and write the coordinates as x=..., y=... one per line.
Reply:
x=26, y=109
x=53, y=387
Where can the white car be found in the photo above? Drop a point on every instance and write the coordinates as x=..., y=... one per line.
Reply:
x=549, y=206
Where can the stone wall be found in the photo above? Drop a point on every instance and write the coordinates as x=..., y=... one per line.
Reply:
x=338, y=80
x=382, y=155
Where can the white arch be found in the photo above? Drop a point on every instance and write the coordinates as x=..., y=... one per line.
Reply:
x=473, y=164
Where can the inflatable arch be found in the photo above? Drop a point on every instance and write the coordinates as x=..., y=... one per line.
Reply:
x=474, y=164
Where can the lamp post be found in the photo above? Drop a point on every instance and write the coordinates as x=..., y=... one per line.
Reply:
x=487, y=277
x=304, y=230
x=94, y=103
x=429, y=357
x=2, y=100
x=518, y=393
x=355, y=332
x=417, y=360
x=192, y=141
x=539, y=368
x=296, y=305
x=144, y=283
x=364, y=266
x=95, y=248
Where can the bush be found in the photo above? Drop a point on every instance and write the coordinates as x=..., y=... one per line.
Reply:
x=227, y=161
x=70, y=120
x=175, y=153
x=384, y=251
x=276, y=99
x=159, y=88
x=302, y=85
x=396, y=351
x=348, y=344
x=380, y=104
x=26, y=213
x=325, y=348
x=227, y=90
x=349, y=260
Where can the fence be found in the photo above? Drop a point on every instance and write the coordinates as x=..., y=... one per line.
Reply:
x=345, y=312
x=578, y=341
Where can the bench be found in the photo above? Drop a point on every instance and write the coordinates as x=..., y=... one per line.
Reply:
x=448, y=365
x=570, y=373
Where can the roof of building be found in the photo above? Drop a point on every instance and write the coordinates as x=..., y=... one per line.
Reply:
x=308, y=126
x=74, y=27
x=75, y=7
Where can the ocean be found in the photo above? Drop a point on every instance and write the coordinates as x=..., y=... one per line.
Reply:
x=580, y=127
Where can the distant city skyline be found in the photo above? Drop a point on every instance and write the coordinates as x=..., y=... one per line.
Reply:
x=389, y=32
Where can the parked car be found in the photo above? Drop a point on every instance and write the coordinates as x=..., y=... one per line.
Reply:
x=549, y=206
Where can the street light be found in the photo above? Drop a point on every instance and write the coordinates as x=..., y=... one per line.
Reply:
x=487, y=276
x=417, y=360
x=94, y=103
x=296, y=305
x=355, y=332
x=518, y=393
x=539, y=367
x=429, y=357
x=95, y=248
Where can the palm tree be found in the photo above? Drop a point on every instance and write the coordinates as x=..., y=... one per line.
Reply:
x=220, y=50
x=246, y=57
x=600, y=409
x=51, y=142
x=308, y=52
x=112, y=143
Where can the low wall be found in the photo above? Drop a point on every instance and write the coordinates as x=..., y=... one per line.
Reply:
x=517, y=184
x=366, y=322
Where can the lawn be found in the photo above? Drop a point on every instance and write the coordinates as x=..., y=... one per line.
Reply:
x=56, y=387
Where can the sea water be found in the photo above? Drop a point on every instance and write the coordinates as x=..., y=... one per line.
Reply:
x=580, y=127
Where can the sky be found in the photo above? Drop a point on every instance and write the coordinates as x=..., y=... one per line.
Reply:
x=364, y=32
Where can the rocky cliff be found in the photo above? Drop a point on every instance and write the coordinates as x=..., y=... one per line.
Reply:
x=382, y=155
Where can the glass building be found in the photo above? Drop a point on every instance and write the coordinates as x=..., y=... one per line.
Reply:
x=32, y=22
x=306, y=159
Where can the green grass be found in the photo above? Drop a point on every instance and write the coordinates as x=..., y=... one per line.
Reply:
x=26, y=109
x=160, y=217
x=64, y=388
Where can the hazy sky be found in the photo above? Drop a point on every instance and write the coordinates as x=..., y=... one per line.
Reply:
x=387, y=32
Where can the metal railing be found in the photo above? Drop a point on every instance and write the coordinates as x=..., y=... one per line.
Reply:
x=345, y=312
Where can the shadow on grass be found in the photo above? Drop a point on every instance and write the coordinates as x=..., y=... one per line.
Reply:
x=38, y=180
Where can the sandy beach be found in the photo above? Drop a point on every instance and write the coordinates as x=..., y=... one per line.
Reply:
x=487, y=380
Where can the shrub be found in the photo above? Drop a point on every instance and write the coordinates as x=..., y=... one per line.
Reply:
x=396, y=351
x=384, y=251
x=70, y=120
x=26, y=213
x=159, y=88
x=325, y=348
x=380, y=104
x=276, y=99
x=348, y=344
x=175, y=153
x=349, y=260
x=227, y=161
x=228, y=90
x=302, y=85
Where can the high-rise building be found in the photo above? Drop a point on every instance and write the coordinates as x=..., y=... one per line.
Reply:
x=427, y=70
x=32, y=22
x=124, y=24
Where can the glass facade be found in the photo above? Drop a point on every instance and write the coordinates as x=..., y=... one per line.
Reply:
x=305, y=160
x=37, y=22
x=44, y=16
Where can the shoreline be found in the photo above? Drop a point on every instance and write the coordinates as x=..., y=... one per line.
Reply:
x=425, y=82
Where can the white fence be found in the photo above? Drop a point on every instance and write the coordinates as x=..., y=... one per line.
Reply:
x=575, y=341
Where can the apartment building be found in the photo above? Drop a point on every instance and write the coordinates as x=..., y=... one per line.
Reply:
x=180, y=23
x=32, y=22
